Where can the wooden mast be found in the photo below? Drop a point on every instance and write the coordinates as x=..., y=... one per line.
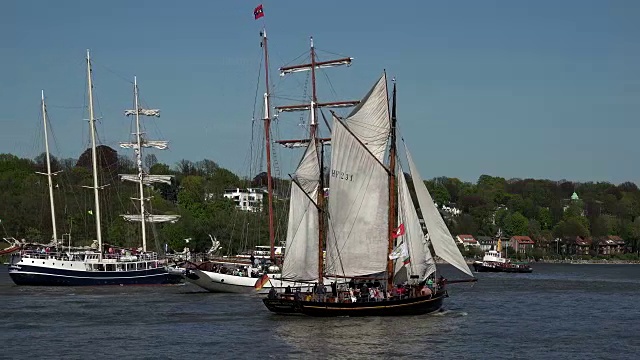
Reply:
x=392, y=189
x=267, y=139
x=313, y=132
x=320, y=192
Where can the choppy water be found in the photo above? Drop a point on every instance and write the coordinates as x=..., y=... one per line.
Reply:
x=557, y=312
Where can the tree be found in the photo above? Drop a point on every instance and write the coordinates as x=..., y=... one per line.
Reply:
x=438, y=192
x=150, y=160
x=516, y=224
x=544, y=218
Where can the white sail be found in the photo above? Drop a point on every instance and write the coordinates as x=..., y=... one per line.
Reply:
x=443, y=243
x=301, y=258
x=418, y=260
x=358, y=208
x=152, y=218
x=369, y=121
x=147, y=179
x=158, y=144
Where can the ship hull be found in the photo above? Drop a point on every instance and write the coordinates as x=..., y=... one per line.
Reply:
x=400, y=307
x=225, y=283
x=43, y=276
x=481, y=267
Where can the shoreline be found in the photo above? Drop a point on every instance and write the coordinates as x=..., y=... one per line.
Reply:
x=566, y=261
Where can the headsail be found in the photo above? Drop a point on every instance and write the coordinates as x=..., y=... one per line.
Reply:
x=443, y=243
x=301, y=257
x=418, y=260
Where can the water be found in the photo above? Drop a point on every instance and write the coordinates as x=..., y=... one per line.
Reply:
x=560, y=311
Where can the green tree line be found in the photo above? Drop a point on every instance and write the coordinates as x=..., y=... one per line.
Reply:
x=195, y=194
x=541, y=209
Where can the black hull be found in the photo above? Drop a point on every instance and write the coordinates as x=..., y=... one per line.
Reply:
x=483, y=268
x=408, y=306
x=41, y=276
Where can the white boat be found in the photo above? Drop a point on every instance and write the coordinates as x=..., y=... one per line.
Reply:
x=492, y=261
x=51, y=265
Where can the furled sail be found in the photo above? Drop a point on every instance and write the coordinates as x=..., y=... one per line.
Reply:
x=152, y=218
x=358, y=208
x=158, y=144
x=301, y=258
x=147, y=179
x=369, y=121
x=443, y=243
x=418, y=260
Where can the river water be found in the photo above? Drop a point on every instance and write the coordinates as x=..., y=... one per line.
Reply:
x=560, y=311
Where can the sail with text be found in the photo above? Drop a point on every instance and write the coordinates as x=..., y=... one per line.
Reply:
x=358, y=207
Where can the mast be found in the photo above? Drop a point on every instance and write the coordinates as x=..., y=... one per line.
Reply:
x=314, y=98
x=313, y=132
x=94, y=162
x=138, y=152
x=141, y=177
x=49, y=174
x=320, y=207
x=267, y=139
x=392, y=193
x=314, y=104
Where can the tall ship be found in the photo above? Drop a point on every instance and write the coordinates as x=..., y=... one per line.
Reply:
x=239, y=275
x=369, y=227
x=92, y=265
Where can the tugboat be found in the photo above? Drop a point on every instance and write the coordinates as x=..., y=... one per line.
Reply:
x=494, y=262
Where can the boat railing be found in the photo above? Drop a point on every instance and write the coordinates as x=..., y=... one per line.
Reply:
x=89, y=256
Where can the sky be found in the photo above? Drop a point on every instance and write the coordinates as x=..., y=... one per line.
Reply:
x=511, y=88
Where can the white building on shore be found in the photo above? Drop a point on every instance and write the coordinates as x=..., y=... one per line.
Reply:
x=249, y=199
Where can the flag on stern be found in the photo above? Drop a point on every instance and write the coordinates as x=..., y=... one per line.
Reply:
x=261, y=281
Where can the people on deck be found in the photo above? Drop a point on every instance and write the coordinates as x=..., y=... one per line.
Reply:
x=272, y=293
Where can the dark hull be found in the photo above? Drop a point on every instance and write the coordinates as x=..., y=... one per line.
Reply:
x=408, y=306
x=42, y=276
x=520, y=269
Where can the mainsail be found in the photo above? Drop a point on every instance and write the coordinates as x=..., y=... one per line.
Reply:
x=358, y=207
x=418, y=260
x=357, y=238
x=369, y=121
x=301, y=258
x=443, y=243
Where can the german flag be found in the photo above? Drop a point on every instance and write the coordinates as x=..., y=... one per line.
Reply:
x=261, y=281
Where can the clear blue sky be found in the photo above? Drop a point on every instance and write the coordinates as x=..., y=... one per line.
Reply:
x=542, y=89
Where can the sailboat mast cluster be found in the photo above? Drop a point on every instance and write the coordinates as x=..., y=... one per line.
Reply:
x=91, y=265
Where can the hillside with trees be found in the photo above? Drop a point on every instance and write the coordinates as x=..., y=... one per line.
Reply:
x=541, y=209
